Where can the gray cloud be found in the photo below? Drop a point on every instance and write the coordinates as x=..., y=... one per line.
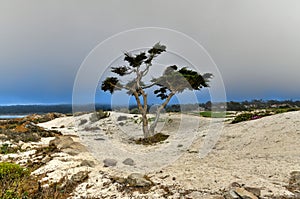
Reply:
x=254, y=43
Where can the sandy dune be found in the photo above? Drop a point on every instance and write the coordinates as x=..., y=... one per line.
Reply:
x=260, y=153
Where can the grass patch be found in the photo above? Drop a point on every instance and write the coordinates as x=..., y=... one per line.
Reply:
x=214, y=114
x=7, y=148
x=157, y=138
x=17, y=183
x=284, y=110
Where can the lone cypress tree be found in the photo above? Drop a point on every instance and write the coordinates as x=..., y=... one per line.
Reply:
x=172, y=81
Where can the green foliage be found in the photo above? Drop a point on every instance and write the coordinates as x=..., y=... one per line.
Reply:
x=242, y=117
x=11, y=175
x=157, y=138
x=250, y=116
x=284, y=110
x=110, y=84
x=6, y=148
x=134, y=111
x=213, y=114
x=174, y=80
x=100, y=114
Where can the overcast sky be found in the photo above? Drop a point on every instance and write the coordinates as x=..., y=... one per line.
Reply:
x=255, y=43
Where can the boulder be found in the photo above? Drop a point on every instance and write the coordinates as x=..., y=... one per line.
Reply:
x=255, y=191
x=129, y=162
x=67, y=145
x=110, y=162
x=138, y=180
x=244, y=194
x=87, y=163
x=62, y=142
x=294, y=182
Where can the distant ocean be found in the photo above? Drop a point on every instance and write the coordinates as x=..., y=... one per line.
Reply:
x=2, y=117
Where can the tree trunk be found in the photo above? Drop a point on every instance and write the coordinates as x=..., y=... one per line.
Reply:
x=154, y=124
x=145, y=125
x=143, y=111
x=160, y=108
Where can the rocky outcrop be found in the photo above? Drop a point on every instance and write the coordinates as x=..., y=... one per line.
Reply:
x=138, y=180
x=67, y=145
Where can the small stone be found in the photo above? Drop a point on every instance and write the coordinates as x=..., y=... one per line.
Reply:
x=234, y=185
x=46, y=159
x=255, y=191
x=110, y=162
x=129, y=162
x=80, y=176
x=88, y=163
x=138, y=180
x=194, y=194
x=101, y=139
x=26, y=146
x=231, y=195
x=244, y=194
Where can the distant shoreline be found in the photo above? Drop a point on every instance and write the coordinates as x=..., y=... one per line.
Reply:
x=7, y=117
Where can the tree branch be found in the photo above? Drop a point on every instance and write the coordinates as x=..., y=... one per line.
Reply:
x=149, y=86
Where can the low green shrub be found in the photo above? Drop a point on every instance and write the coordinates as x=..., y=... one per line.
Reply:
x=6, y=148
x=134, y=111
x=242, y=117
x=11, y=176
x=156, y=138
x=100, y=114
x=250, y=116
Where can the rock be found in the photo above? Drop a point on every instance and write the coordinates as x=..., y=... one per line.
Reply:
x=46, y=159
x=129, y=162
x=118, y=179
x=80, y=176
x=67, y=145
x=216, y=197
x=234, y=185
x=255, y=191
x=83, y=121
x=231, y=194
x=62, y=142
x=26, y=146
x=244, y=194
x=101, y=139
x=138, y=180
x=110, y=162
x=88, y=163
x=294, y=182
x=122, y=118
x=195, y=194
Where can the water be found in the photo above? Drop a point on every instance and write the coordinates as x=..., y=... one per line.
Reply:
x=11, y=116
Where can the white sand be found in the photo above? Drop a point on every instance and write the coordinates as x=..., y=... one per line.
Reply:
x=260, y=153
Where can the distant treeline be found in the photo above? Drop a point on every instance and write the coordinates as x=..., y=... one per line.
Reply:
x=261, y=104
x=41, y=109
x=30, y=109
x=230, y=106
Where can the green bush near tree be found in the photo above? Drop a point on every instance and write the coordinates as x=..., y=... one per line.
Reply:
x=100, y=114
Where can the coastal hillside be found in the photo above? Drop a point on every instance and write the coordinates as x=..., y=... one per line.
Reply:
x=252, y=159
